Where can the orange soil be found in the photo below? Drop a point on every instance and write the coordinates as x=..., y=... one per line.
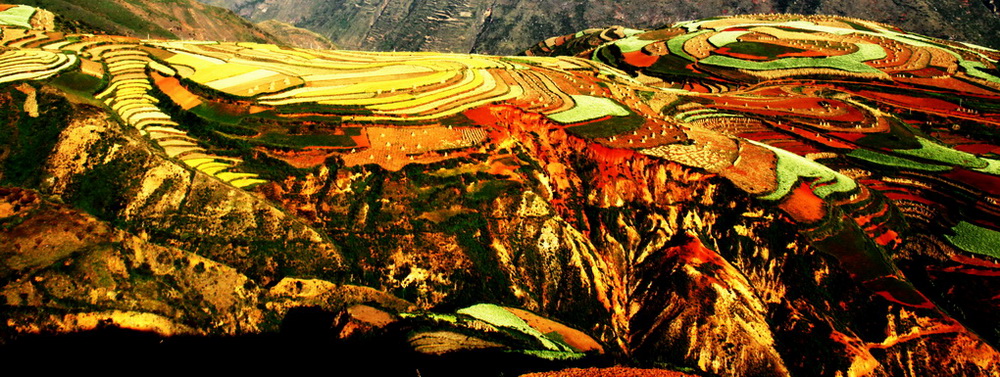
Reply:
x=803, y=205
x=575, y=338
x=177, y=92
x=639, y=59
x=302, y=159
x=838, y=112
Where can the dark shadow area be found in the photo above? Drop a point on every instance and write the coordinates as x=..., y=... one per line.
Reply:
x=306, y=342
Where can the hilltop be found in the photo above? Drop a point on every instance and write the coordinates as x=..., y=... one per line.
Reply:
x=770, y=195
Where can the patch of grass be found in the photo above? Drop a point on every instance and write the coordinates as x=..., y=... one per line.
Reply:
x=500, y=317
x=792, y=167
x=893, y=161
x=766, y=50
x=672, y=66
x=936, y=152
x=590, y=108
x=77, y=82
x=851, y=63
x=609, y=127
x=975, y=239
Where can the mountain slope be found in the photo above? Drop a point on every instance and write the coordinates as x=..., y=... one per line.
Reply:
x=739, y=196
x=180, y=19
x=175, y=19
x=510, y=26
x=295, y=36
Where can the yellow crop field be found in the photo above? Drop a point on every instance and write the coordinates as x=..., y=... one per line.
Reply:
x=213, y=167
x=472, y=80
x=254, y=82
x=245, y=182
x=316, y=94
x=195, y=62
x=174, y=151
x=281, y=51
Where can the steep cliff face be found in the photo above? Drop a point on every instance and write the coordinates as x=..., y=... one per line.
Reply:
x=510, y=26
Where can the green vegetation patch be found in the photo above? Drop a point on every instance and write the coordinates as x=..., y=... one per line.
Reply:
x=629, y=32
x=792, y=167
x=974, y=69
x=632, y=44
x=726, y=38
x=215, y=112
x=975, y=239
x=858, y=26
x=608, y=127
x=18, y=16
x=899, y=162
x=851, y=62
x=553, y=355
x=992, y=166
x=78, y=82
x=670, y=65
x=764, y=50
x=590, y=108
x=936, y=152
x=500, y=317
x=449, y=318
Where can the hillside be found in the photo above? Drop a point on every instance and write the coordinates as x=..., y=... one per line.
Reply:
x=175, y=19
x=736, y=196
x=509, y=26
x=295, y=36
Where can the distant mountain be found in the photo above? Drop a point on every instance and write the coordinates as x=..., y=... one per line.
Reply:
x=510, y=26
x=175, y=19
x=296, y=36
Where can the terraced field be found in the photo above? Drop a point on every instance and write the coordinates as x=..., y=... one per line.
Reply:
x=649, y=91
x=856, y=132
